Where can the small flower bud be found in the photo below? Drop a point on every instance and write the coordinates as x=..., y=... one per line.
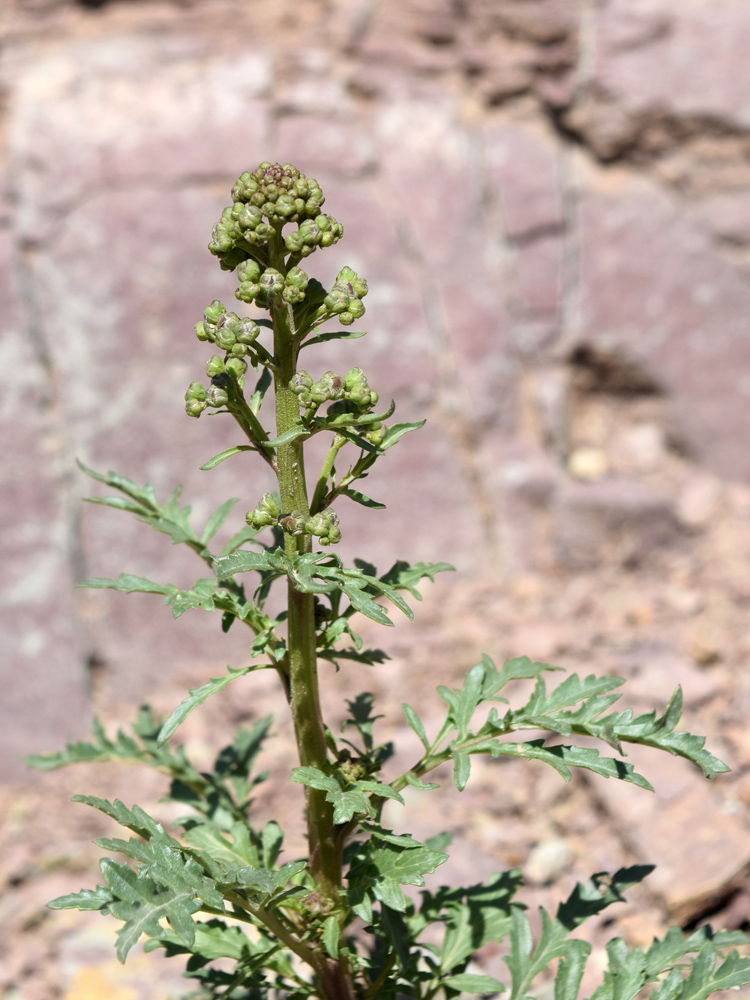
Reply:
x=247, y=332
x=344, y=298
x=322, y=231
x=249, y=274
x=246, y=217
x=214, y=312
x=266, y=513
x=194, y=407
x=236, y=367
x=293, y=524
x=272, y=282
x=300, y=382
x=215, y=366
x=295, y=285
x=325, y=526
x=216, y=396
x=195, y=391
x=375, y=435
x=329, y=386
x=200, y=331
x=227, y=329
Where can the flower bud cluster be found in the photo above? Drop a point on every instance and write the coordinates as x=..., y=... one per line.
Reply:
x=230, y=332
x=325, y=525
x=374, y=433
x=262, y=203
x=198, y=397
x=345, y=298
x=357, y=391
x=265, y=514
x=322, y=231
x=233, y=366
x=260, y=286
x=330, y=387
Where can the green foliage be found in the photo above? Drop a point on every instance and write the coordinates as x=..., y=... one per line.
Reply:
x=217, y=888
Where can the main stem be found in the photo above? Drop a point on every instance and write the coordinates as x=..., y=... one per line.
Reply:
x=334, y=977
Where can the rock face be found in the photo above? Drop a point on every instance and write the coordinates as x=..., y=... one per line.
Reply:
x=549, y=200
x=520, y=181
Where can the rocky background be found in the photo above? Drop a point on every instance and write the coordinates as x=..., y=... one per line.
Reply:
x=551, y=202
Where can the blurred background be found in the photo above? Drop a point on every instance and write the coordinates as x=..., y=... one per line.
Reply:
x=550, y=200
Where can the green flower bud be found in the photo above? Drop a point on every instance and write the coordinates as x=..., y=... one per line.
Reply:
x=216, y=396
x=375, y=434
x=353, y=378
x=358, y=285
x=300, y=382
x=329, y=386
x=238, y=351
x=293, y=524
x=200, y=331
x=195, y=391
x=215, y=365
x=344, y=298
x=228, y=330
x=245, y=187
x=295, y=285
x=194, y=407
x=266, y=513
x=325, y=526
x=222, y=237
x=272, y=282
x=246, y=217
x=236, y=367
x=249, y=274
x=248, y=331
x=214, y=312
x=357, y=391
x=225, y=338
x=322, y=231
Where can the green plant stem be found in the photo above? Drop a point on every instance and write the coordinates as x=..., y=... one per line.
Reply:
x=325, y=472
x=251, y=426
x=325, y=858
x=276, y=926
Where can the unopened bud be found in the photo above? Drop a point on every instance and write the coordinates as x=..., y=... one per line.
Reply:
x=236, y=367
x=376, y=435
x=194, y=407
x=295, y=285
x=329, y=386
x=344, y=299
x=293, y=524
x=212, y=313
x=216, y=396
x=266, y=513
x=322, y=231
x=215, y=366
x=325, y=526
x=195, y=391
x=272, y=282
x=247, y=331
x=226, y=331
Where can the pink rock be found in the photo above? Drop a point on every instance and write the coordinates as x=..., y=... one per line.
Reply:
x=523, y=165
x=684, y=315
x=683, y=60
